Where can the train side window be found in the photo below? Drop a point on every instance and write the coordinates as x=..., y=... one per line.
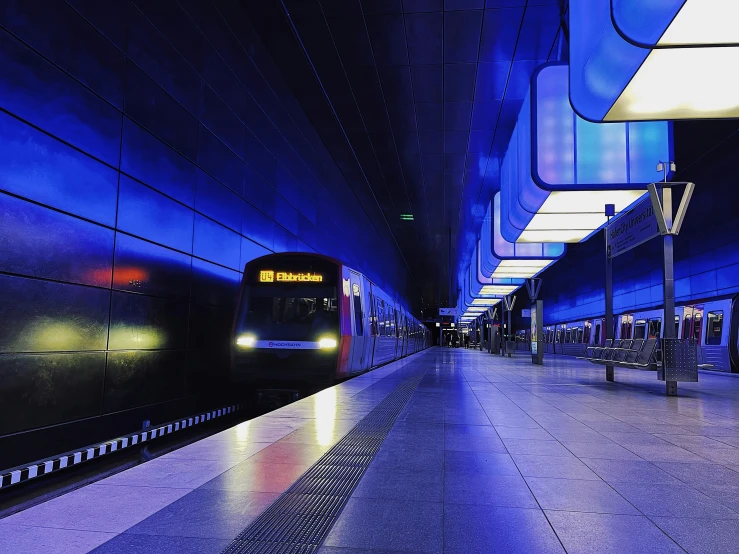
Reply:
x=358, y=315
x=686, y=326
x=597, y=334
x=380, y=318
x=677, y=325
x=640, y=329
x=714, y=327
x=697, y=326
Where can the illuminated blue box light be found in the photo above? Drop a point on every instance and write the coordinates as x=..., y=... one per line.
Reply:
x=560, y=170
x=625, y=54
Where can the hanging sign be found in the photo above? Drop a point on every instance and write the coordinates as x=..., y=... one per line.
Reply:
x=632, y=228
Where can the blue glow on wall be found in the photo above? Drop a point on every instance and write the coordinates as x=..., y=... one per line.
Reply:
x=143, y=161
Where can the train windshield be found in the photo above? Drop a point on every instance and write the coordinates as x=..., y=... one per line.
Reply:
x=292, y=298
x=314, y=312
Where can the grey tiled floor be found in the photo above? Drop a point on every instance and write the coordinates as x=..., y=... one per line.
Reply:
x=497, y=455
x=490, y=455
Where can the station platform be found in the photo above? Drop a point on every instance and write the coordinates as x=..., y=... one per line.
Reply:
x=450, y=450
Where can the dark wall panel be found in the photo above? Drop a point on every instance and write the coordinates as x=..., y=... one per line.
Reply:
x=144, y=212
x=65, y=248
x=44, y=316
x=151, y=161
x=139, y=378
x=47, y=389
x=147, y=268
x=68, y=41
x=37, y=91
x=143, y=322
x=41, y=168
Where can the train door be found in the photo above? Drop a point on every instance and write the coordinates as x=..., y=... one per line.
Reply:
x=625, y=330
x=357, y=355
x=374, y=326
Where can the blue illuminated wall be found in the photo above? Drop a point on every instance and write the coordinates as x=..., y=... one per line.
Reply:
x=706, y=251
x=148, y=150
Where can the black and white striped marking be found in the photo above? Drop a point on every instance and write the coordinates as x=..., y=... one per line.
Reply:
x=21, y=474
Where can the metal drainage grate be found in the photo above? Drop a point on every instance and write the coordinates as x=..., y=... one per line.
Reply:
x=298, y=521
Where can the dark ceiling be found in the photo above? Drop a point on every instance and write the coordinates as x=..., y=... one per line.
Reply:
x=415, y=100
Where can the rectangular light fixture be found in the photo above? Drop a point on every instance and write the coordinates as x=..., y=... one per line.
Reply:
x=625, y=53
x=406, y=217
x=560, y=170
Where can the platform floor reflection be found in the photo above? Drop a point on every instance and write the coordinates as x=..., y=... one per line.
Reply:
x=489, y=455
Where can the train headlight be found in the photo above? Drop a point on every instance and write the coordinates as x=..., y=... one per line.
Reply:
x=326, y=343
x=246, y=341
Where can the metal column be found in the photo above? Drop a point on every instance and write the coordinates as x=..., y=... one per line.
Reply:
x=668, y=327
x=609, y=291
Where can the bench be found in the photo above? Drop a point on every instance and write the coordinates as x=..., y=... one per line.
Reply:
x=636, y=354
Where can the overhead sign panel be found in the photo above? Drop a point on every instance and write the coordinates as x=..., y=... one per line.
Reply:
x=632, y=228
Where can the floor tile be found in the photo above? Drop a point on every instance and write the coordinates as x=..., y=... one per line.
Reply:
x=565, y=467
x=170, y=472
x=149, y=544
x=386, y=524
x=207, y=513
x=217, y=451
x=400, y=485
x=470, y=529
x=702, y=536
x=479, y=463
x=608, y=451
x=492, y=490
x=536, y=447
x=21, y=539
x=584, y=533
x=614, y=471
x=574, y=495
x=256, y=477
x=105, y=508
x=522, y=433
x=672, y=501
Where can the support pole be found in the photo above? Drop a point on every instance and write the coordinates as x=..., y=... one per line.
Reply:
x=609, y=301
x=668, y=326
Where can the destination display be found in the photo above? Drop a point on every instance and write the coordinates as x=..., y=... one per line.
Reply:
x=270, y=276
x=632, y=228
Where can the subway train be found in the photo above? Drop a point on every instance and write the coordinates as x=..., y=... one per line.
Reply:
x=309, y=319
x=713, y=323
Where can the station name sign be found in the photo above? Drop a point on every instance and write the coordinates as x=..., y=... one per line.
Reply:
x=632, y=228
x=270, y=276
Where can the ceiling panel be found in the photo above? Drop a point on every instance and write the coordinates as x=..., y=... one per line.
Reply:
x=416, y=101
x=424, y=34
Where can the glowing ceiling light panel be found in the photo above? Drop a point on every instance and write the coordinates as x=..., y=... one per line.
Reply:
x=624, y=54
x=560, y=170
x=485, y=302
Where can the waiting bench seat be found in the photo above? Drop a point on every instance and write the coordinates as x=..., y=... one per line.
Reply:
x=637, y=354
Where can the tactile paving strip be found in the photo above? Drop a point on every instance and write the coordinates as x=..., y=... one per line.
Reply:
x=299, y=520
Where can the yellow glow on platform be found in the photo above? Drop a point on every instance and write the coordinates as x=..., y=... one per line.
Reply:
x=242, y=431
x=324, y=409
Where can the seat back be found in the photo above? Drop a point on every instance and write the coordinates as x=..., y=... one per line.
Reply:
x=620, y=355
x=647, y=353
x=636, y=348
x=608, y=354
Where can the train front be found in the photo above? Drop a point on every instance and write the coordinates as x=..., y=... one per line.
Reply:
x=287, y=325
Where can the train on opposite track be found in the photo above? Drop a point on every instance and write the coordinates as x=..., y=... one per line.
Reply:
x=713, y=323
x=307, y=318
